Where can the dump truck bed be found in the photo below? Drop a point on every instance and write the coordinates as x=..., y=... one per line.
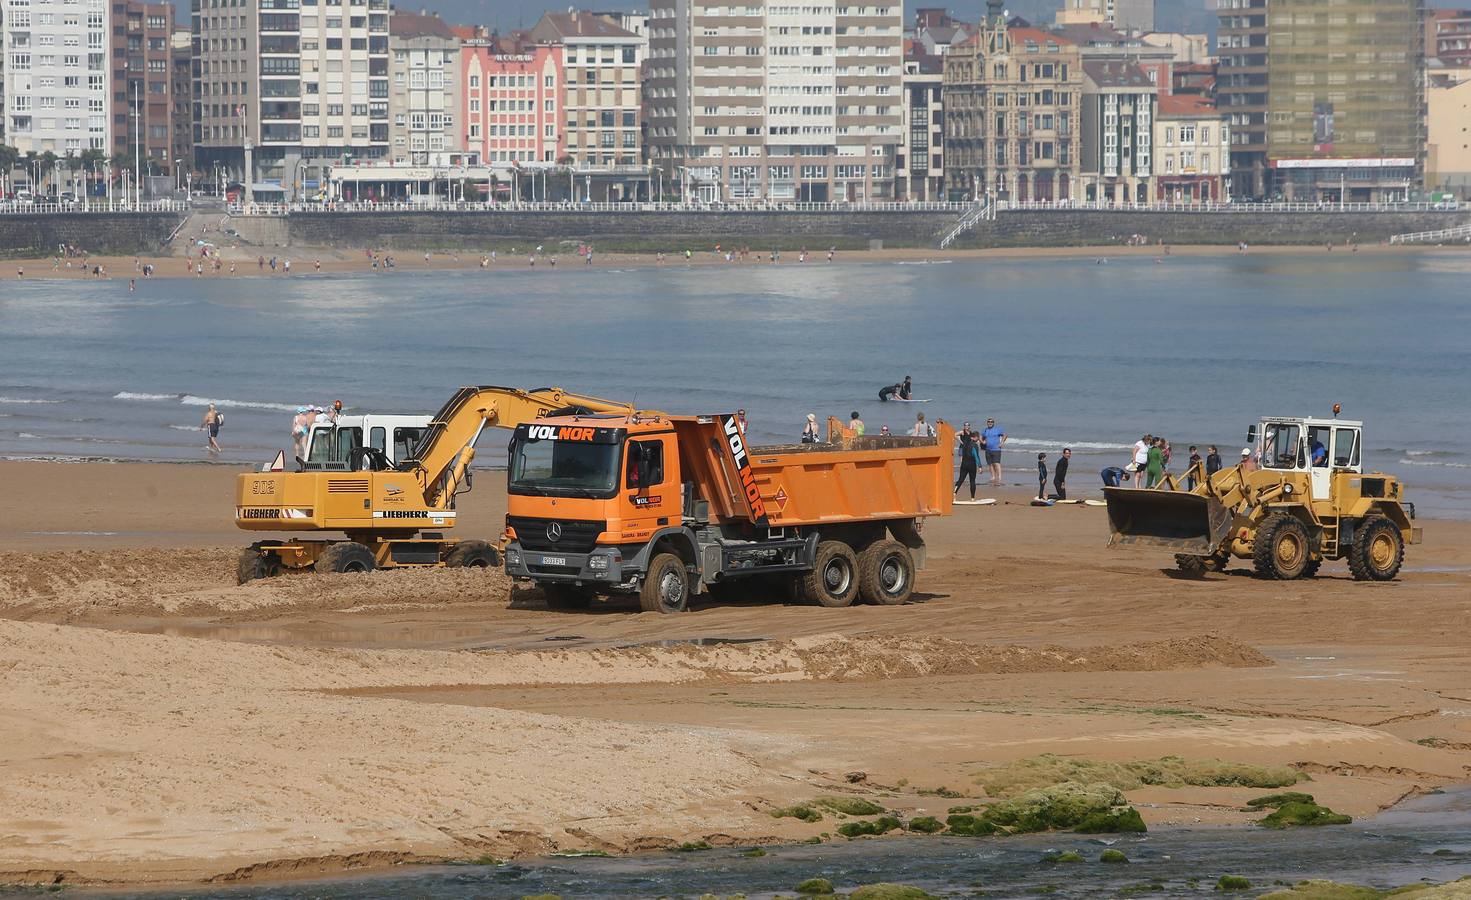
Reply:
x=855, y=480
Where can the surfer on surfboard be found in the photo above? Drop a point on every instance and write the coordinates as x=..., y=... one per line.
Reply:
x=904, y=390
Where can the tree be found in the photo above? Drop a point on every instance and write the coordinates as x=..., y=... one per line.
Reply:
x=47, y=166
x=9, y=157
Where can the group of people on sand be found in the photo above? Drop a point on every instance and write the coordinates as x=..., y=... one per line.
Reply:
x=307, y=416
x=1149, y=464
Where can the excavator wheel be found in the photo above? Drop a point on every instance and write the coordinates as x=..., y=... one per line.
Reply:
x=566, y=596
x=666, y=588
x=255, y=565
x=473, y=555
x=347, y=556
x=1378, y=550
x=885, y=573
x=1281, y=550
x=833, y=581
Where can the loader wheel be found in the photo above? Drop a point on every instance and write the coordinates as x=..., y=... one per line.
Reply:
x=885, y=573
x=473, y=555
x=1378, y=550
x=1218, y=561
x=348, y=556
x=566, y=596
x=1280, y=549
x=1192, y=565
x=666, y=588
x=1311, y=569
x=254, y=565
x=833, y=581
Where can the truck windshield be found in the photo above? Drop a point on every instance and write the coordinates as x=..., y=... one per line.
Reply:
x=573, y=468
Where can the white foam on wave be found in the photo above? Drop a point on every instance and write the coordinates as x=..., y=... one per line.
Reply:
x=185, y=427
x=131, y=395
x=27, y=400
x=1438, y=465
x=1075, y=445
x=191, y=400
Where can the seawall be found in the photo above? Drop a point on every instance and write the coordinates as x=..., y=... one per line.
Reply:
x=109, y=234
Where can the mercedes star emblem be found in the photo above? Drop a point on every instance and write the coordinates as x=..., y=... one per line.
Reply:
x=554, y=531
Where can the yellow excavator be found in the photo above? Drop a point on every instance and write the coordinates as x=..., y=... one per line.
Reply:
x=390, y=513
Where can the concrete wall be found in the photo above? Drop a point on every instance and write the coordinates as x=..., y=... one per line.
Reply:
x=115, y=234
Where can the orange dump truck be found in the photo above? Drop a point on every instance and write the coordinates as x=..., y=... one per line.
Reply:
x=666, y=507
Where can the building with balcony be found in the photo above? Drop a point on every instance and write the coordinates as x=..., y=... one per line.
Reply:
x=511, y=107
x=181, y=98
x=1448, y=37
x=1192, y=150
x=142, y=82
x=775, y=101
x=1241, y=91
x=919, y=161
x=1119, y=100
x=1129, y=15
x=602, y=92
x=424, y=100
x=1013, y=101
x=58, y=81
x=285, y=88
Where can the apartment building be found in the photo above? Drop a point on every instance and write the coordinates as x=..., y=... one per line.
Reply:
x=424, y=99
x=1324, y=101
x=776, y=99
x=287, y=88
x=512, y=100
x=1448, y=37
x=1013, y=102
x=181, y=99
x=1117, y=131
x=601, y=85
x=919, y=162
x=58, y=82
x=1130, y=15
x=1192, y=150
x=142, y=78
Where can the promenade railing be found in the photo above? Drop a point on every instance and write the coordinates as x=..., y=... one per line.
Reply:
x=22, y=208
x=1440, y=235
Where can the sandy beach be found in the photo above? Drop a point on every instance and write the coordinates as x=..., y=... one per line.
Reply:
x=304, y=261
x=166, y=725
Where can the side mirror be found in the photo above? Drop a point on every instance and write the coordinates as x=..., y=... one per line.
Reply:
x=1251, y=435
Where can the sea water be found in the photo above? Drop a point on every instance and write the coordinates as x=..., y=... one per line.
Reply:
x=1083, y=353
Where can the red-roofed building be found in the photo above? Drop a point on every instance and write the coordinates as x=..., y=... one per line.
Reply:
x=1192, y=150
x=512, y=107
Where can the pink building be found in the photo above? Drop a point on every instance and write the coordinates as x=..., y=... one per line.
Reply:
x=513, y=100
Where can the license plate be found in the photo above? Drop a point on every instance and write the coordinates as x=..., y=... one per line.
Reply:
x=554, y=560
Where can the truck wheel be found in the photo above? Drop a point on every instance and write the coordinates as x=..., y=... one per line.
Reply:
x=1280, y=549
x=473, y=555
x=833, y=580
x=254, y=565
x=666, y=588
x=348, y=556
x=566, y=596
x=885, y=573
x=1378, y=550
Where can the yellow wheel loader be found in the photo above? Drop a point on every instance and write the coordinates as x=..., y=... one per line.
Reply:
x=391, y=512
x=1300, y=498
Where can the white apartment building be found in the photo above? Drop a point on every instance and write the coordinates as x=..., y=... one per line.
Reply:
x=57, y=80
x=776, y=99
x=302, y=83
x=602, y=92
x=424, y=98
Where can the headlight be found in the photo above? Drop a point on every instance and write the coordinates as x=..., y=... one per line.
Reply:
x=513, y=557
x=597, y=562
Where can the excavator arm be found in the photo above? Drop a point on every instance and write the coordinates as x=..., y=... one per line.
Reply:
x=448, y=445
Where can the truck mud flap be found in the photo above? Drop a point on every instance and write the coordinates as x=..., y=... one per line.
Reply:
x=1171, y=520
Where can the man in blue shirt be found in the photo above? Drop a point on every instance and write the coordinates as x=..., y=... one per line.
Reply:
x=994, y=439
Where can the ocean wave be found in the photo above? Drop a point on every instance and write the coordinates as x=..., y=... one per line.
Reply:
x=27, y=400
x=1075, y=445
x=1437, y=465
x=130, y=395
x=28, y=436
x=185, y=427
x=191, y=400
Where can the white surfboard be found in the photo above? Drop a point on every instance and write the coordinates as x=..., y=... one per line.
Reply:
x=1068, y=502
x=902, y=400
x=985, y=501
x=1094, y=503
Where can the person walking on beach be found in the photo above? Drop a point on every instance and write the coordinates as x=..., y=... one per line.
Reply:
x=1059, y=473
x=921, y=428
x=1141, y=458
x=1191, y=480
x=741, y=420
x=1154, y=465
x=213, y=419
x=856, y=425
x=1247, y=463
x=1041, y=476
x=970, y=458
x=1212, y=461
x=809, y=430
x=994, y=438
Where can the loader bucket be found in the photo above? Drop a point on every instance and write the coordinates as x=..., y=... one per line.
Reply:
x=1173, y=520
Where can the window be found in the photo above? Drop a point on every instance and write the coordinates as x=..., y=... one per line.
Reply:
x=645, y=464
x=1346, y=447
x=1280, y=447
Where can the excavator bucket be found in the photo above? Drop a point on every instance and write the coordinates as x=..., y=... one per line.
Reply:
x=1174, y=520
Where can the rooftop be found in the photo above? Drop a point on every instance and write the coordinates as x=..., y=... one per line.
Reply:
x=560, y=26
x=1185, y=106
x=1109, y=73
x=418, y=24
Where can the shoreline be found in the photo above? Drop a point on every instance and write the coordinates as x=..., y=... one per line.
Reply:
x=337, y=261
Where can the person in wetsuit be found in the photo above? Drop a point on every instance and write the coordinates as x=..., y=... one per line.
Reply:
x=906, y=390
x=887, y=393
x=970, y=457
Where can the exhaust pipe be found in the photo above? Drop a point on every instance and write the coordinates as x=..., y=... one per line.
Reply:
x=1171, y=520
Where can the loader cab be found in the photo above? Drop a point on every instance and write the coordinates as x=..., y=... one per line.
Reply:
x=1318, y=447
x=330, y=447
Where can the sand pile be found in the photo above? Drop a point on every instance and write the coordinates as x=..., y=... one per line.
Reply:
x=70, y=585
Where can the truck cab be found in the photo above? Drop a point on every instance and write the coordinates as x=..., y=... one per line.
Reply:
x=330, y=445
x=1316, y=449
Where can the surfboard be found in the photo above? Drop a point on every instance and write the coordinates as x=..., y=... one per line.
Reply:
x=902, y=400
x=1039, y=502
x=1094, y=503
x=1068, y=502
x=985, y=501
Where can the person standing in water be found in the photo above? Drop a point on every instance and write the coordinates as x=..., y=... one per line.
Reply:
x=211, y=426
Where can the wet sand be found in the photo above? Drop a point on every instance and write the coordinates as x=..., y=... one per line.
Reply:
x=335, y=262
x=166, y=725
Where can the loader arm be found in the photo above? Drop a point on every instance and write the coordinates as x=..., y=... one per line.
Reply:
x=440, y=461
